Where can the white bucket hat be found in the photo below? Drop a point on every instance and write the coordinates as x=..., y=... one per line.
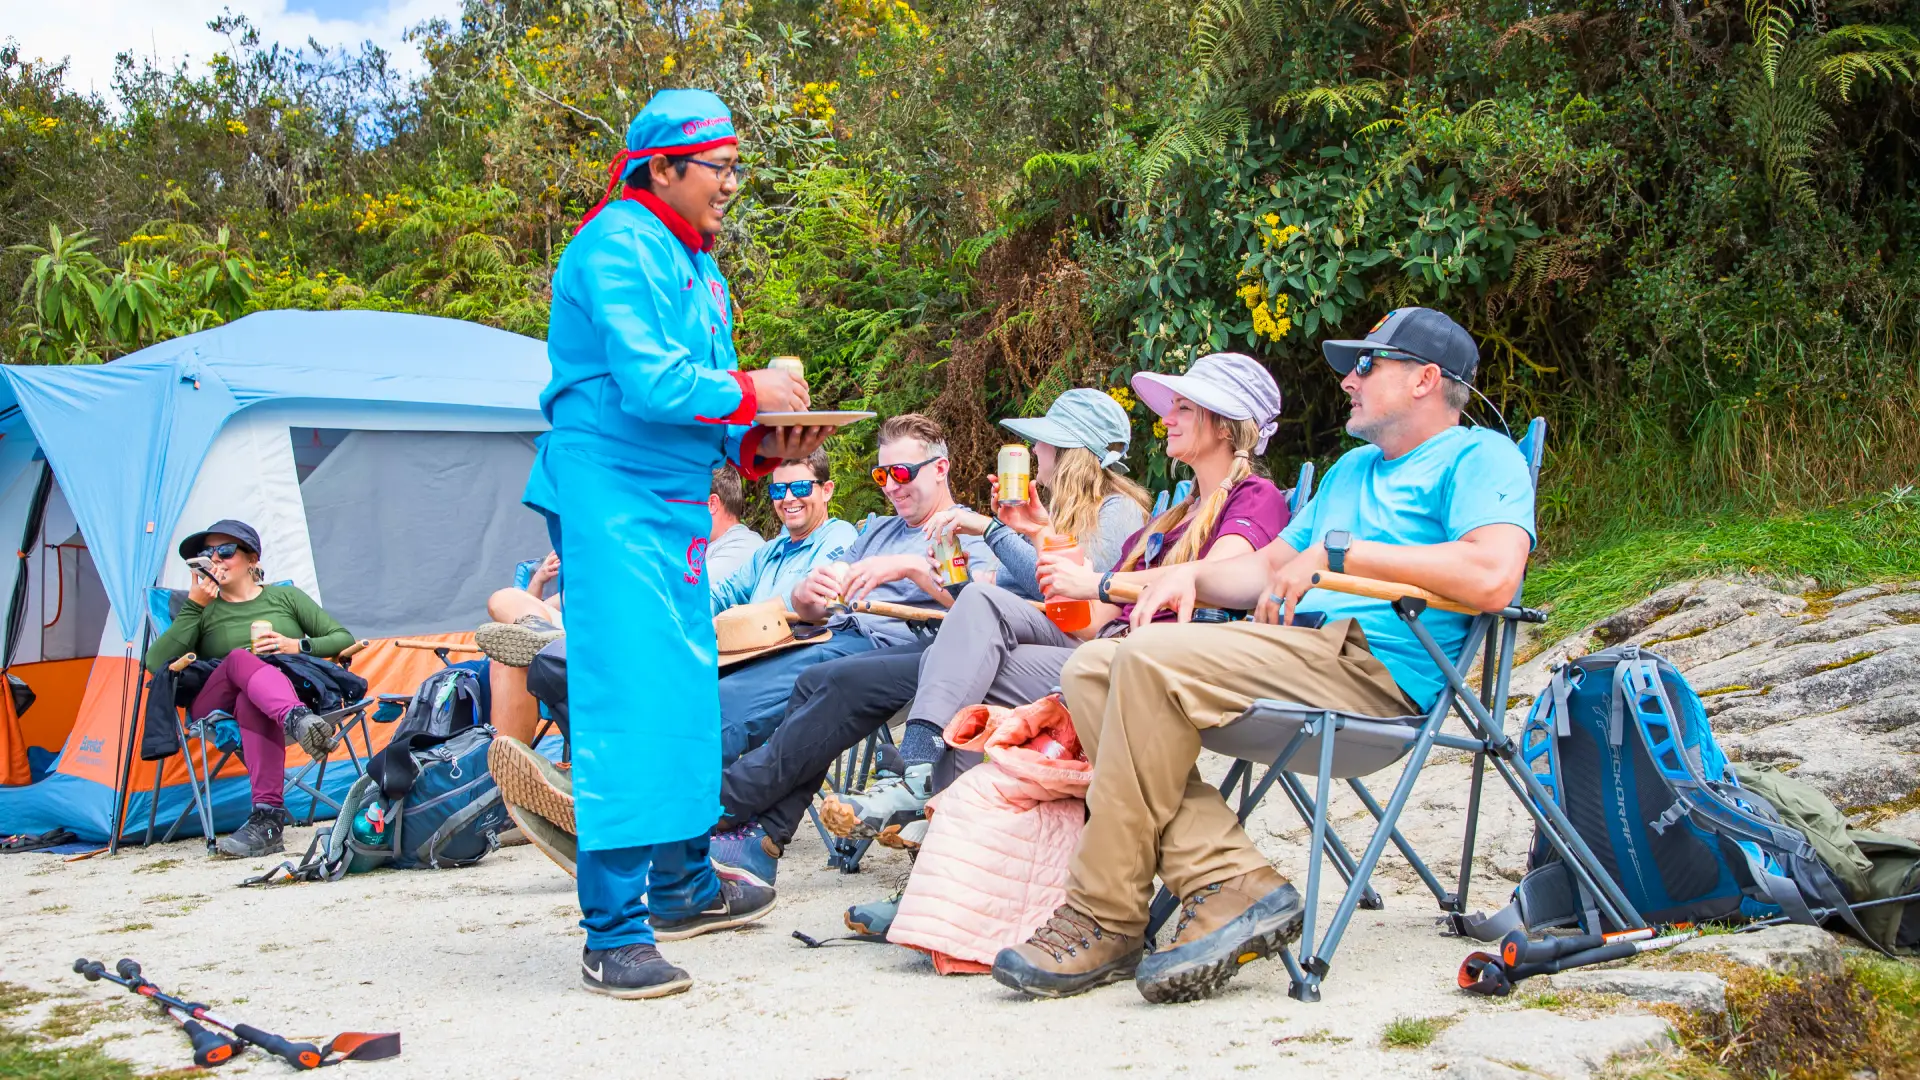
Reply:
x=1233, y=385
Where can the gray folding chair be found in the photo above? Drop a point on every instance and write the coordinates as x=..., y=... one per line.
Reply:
x=1293, y=740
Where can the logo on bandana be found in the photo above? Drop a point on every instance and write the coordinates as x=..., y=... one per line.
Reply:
x=692, y=126
x=696, y=560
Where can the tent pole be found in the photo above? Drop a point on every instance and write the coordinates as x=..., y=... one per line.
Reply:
x=130, y=723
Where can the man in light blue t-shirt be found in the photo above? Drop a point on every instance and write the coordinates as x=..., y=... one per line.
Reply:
x=1426, y=503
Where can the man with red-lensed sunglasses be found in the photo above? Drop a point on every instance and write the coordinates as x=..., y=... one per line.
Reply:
x=766, y=791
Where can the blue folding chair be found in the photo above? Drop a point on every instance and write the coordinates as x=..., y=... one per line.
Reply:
x=1293, y=740
x=163, y=605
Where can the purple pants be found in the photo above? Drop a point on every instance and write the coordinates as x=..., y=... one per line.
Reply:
x=259, y=696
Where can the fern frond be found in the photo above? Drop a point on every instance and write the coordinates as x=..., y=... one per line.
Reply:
x=1787, y=121
x=1186, y=139
x=1542, y=28
x=1892, y=53
x=1771, y=21
x=1334, y=101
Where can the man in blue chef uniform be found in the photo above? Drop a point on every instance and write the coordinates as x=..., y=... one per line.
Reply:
x=645, y=401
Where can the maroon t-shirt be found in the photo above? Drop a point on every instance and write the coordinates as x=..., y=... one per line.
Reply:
x=1255, y=509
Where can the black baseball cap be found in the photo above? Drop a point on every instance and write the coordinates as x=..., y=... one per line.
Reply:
x=239, y=530
x=1422, y=333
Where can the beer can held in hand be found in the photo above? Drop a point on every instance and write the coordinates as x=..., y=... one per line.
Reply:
x=952, y=560
x=260, y=630
x=789, y=363
x=1016, y=474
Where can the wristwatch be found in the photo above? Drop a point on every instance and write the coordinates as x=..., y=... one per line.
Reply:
x=306, y=644
x=1337, y=543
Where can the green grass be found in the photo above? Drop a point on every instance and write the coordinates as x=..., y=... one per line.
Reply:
x=24, y=1058
x=1413, y=1033
x=1865, y=541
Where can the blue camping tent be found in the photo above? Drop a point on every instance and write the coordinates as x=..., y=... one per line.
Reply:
x=325, y=430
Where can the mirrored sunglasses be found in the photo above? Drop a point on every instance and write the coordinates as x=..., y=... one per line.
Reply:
x=900, y=474
x=799, y=489
x=224, y=551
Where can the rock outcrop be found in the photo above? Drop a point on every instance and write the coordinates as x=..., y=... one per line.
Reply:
x=1829, y=688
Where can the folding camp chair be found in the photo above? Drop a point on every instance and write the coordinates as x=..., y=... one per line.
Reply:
x=163, y=605
x=1328, y=744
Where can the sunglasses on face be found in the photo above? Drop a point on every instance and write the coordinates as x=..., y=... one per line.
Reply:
x=900, y=474
x=224, y=551
x=799, y=489
x=1363, y=365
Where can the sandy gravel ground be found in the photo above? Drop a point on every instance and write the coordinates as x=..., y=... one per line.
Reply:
x=478, y=968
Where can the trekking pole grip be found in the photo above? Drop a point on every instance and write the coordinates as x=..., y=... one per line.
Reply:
x=210, y=1048
x=298, y=1055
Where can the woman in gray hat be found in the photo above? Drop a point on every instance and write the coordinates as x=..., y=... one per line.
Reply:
x=995, y=647
x=1079, y=452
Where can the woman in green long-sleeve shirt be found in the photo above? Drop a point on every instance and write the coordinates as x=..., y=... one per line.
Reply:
x=216, y=622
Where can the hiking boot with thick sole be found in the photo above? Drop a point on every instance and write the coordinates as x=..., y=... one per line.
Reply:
x=515, y=644
x=551, y=840
x=528, y=780
x=261, y=835
x=745, y=854
x=873, y=918
x=631, y=971
x=736, y=905
x=1070, y=954
x=890, y=805
x=310, y=732
x=1222, y=927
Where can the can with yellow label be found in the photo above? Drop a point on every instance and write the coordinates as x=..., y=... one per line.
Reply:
x=1015, y=473
x=952, y=559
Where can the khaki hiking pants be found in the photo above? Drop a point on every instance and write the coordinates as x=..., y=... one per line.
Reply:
x=1139, y=704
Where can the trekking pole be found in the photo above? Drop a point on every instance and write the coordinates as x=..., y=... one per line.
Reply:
x=1517, y=948
x=1821, y=914
x=298, y=1055
x=1484, y=973
x=210, y=1048
x=353, y=1045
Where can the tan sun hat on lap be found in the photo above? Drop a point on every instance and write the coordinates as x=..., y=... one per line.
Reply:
x=753, y=630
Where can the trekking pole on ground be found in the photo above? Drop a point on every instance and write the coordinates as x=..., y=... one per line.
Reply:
x=1517, y=948
x=352, y=1045
x=1484, y=973
x=210, y=1048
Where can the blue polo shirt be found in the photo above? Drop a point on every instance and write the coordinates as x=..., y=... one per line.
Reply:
x=1441, y=490
x=780, y=563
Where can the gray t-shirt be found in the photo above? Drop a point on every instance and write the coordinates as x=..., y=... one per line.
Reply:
x=1120, y=517
x=893, y=536
x=729, y=552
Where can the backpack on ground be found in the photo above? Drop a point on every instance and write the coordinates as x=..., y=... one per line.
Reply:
x=1622, y=744
x=450, y=700
x=437, y=804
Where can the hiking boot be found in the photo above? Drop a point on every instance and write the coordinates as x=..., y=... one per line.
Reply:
x=746, y=855
x=311, y=732
x=631, y=971
x=528, y=780
x=1069, y=954
x=890, y=804
x=736, y=905
x=874, y=918
x=905, y=838
x=1222, y=927
x=515, y=644
x=551, y=840
x=261, y=835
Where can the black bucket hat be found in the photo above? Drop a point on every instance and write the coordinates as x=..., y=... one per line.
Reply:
x=239, y=530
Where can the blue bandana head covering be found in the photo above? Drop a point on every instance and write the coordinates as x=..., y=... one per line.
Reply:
x=678, y=122
x=673, y=122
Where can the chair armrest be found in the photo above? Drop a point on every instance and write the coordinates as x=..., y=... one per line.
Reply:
x=435, y=646
x=181, y=664
x=352, y=650
x=887, y=611
x=1388, y=590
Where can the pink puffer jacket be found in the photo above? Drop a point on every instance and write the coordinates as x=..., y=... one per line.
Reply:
x=993, y=864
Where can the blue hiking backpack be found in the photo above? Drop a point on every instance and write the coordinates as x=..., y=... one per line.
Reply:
x=1622, y=744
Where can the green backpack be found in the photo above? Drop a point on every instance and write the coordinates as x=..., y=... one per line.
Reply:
x=1869, y=866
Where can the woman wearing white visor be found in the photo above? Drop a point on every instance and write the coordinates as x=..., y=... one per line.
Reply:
x=999, y=649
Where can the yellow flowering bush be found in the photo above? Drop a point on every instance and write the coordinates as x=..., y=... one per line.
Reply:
x=1159, y=429
x=1269, y=313
x=813, y=100
x=1124, y=396
x=235, y=127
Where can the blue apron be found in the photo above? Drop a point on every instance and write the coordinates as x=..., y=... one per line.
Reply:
x=644, y=403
